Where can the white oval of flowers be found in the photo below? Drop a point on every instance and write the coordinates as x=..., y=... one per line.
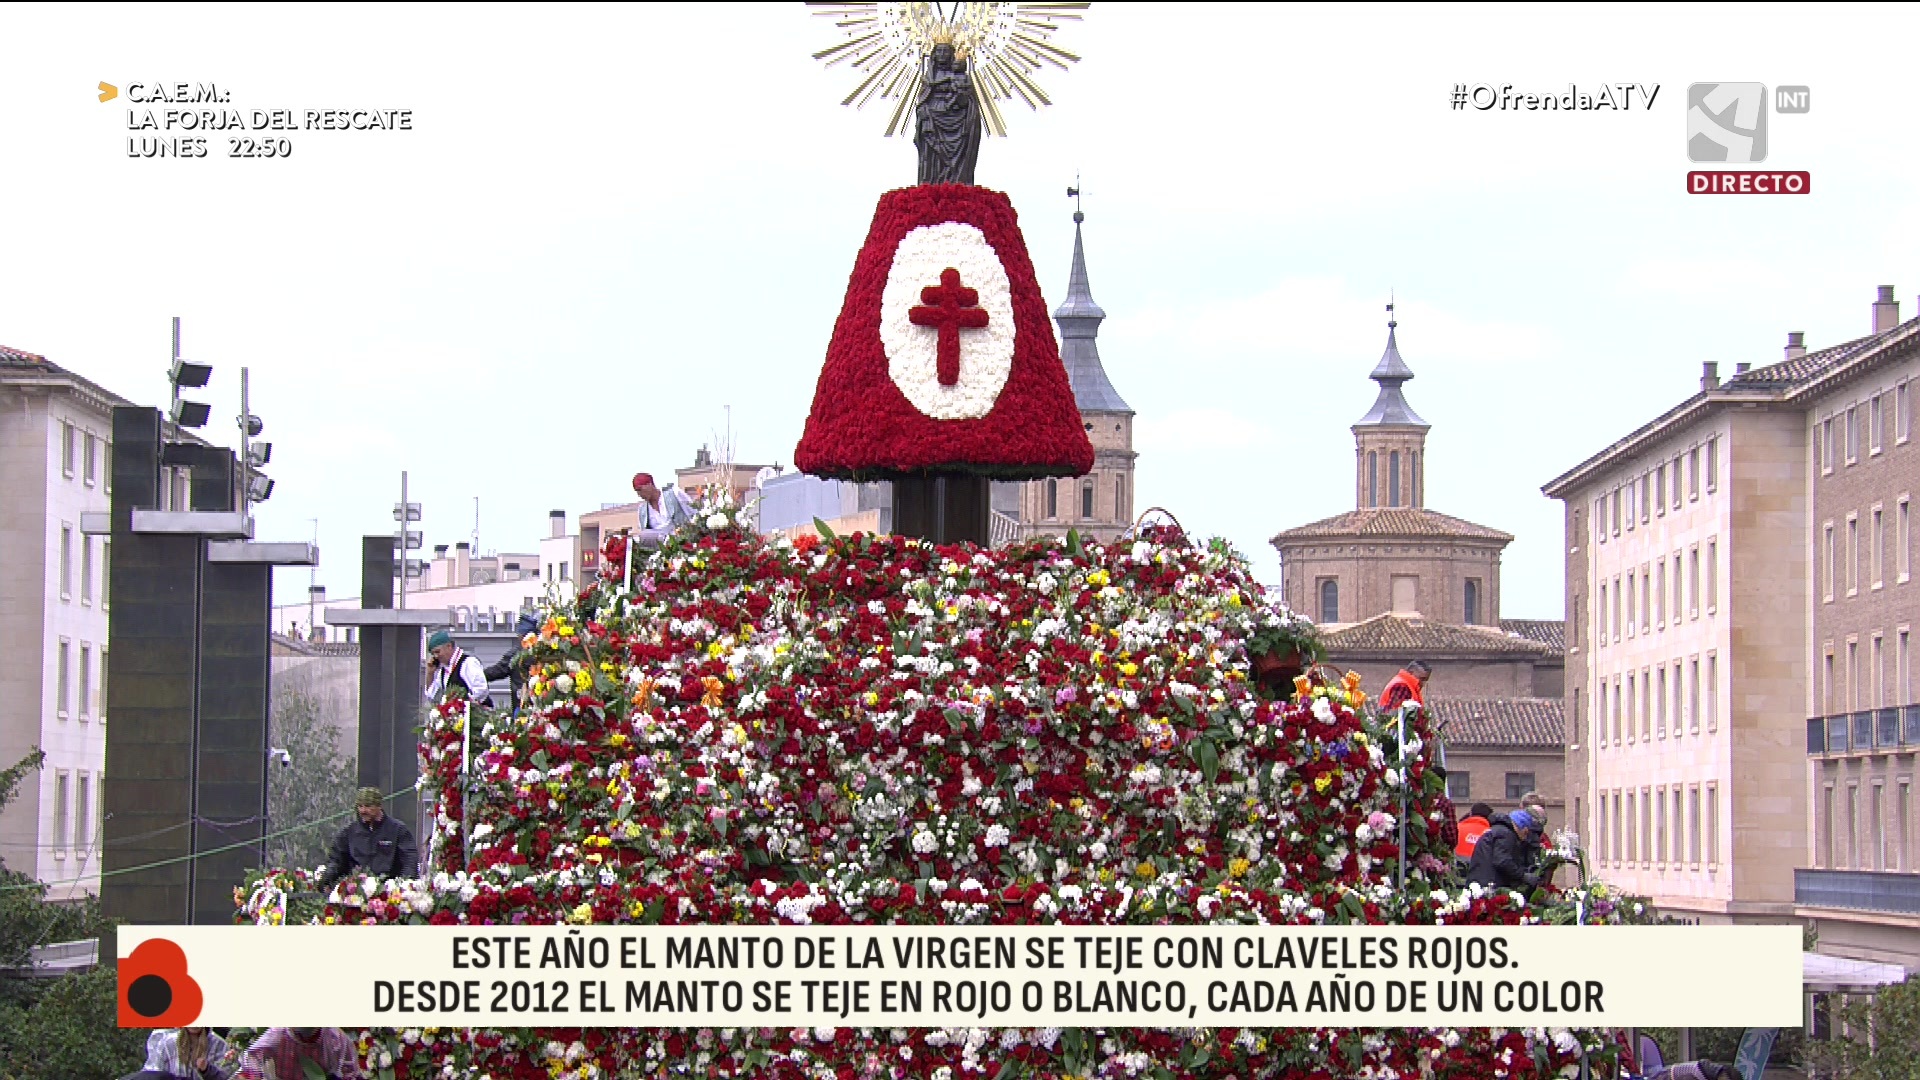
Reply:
x=913, y=351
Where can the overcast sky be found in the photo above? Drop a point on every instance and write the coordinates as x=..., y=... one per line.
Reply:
x=610, y=225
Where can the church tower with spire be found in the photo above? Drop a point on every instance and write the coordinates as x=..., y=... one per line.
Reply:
x=1099, y=505
x=1389, y=441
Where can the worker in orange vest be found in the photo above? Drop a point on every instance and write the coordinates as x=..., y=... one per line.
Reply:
x=1477, y=821
x=1409, y=685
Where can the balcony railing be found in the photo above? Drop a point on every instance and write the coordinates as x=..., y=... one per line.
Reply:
x=1858, y=890
x=1863, y=732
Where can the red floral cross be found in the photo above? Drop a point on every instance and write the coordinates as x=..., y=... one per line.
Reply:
x=950, y=307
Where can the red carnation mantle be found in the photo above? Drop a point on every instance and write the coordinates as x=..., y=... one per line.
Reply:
x=863, y=426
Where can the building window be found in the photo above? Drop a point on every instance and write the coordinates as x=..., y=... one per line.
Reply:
x=1661, y=593
x=66, y=449
x=1713, y=574
x=1459, y=786
x=1679, y=706
x=1903, y=673
x=1616, y=710
x=1086, y=500
x=86, y=569
x=107, y=452
x=1631, y=516
x=1676, y=481
x=1693, y=695
x=1646, y=704
x=1120, y=498
x=1853, y=434
x=1660, y=488
x=1646, y=598
x=86, y=459
x=1619, y=832
x=1713, y=692
x=1405, y=593
x=1519, y=784
x=106, y=572
x=1600, y=616
x=64, y=665
x=1693, y=825
x=103, y=687
x=1873, y=432
x=1053, y=498
x=1632, y=710
x=1713, y=463
x=1678, y=821
x=1627, y=598
x=1329, y=600
x=1827, y=549
x=564, y=574
x=83, y=815
x=1473, y=602
x=66, y=562
x=1853, y=826
x=86, y=679
x=1853, y=554
x=1902, y=541
x=1826, y=445
x=1828, y=832
x=1660, y=703
x=1874, y=546
x=1877, y=827
x=1602, y=837
x=62, y=830
x=1904, y=833
x=1677, y=606
x=1854, y=698
x=1393, y=478
x=1902, y=422
x=1614, y=512
x=1693, y=473
x=1373, y=478
x=1646, y=825
x=1646, y=488
x=1659, y=804
x=1713, y=825
x=1633, y=828
x=1879, y=671
x=1693, y=581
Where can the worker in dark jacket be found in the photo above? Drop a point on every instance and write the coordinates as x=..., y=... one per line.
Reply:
x=1499, y=858
x=513, y=666
x=378, y=844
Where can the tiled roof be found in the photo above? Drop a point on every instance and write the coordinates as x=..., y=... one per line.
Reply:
x=20, y=358
x=1404, y=521
x=1549, y=632
x=1406, y=638
x=1788, y=373
x=1531, y=723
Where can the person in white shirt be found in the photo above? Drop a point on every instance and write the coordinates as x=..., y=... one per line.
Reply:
x=451, y=667
x=659, y=513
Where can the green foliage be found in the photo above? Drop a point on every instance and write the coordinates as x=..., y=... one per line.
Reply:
x=70, y=1030
x=61, y=1028
x=1876, y=1038
x=319, y=784
x=1723, y=1045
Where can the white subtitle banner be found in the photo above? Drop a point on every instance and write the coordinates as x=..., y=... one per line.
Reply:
x=950, y=976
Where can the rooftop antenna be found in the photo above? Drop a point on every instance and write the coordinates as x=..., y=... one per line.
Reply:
x=476, y=526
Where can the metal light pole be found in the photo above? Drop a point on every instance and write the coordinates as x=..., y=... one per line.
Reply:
x=406, y=509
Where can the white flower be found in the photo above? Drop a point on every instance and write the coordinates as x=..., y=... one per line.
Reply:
x=986, y=353
x=998, y=835
x=925, y=842
x=717, y=521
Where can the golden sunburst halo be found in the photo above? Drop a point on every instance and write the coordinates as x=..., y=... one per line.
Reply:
x=1007, y=44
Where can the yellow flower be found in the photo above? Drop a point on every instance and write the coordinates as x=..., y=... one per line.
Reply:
x=618, y=738
x=1238, y=867
x=581, y=914
x=1146, y=870
x=871, y=699
x=1322, y=782
x=613, y=788
x=1129, y=669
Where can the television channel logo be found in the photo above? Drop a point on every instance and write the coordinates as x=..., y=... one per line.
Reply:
x=1727, y=122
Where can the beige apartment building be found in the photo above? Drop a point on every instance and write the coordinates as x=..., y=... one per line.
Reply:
x=1685, y=593
x=1745, y=557
x=1860, y=882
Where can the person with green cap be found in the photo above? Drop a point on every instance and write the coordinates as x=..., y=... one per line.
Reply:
x=378, y=844
x=451, y=668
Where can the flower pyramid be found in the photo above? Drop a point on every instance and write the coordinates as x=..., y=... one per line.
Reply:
x=875, y=729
